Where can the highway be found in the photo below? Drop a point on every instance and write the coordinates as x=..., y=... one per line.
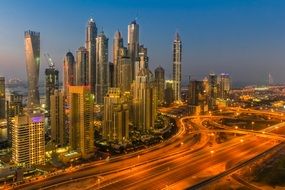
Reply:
x=182, y=161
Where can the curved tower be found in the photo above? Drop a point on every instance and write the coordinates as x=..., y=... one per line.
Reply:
x=32, y=53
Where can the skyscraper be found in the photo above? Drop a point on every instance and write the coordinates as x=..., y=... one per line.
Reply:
x=52, y=84
x=81, y=131
x=116, y=116
x=169, y=94
x=2, y=98
x=142, y=60
x=133, y=45
x=58, y=128
x=124, y=70
x=82, y=67
x=102, y=68
x=160, y=83
x=177, y=57
x=144, y=101
x=32, y=53
x=197, y=98
x=90, y=45
x=212, y=90
x=14, y=107
x=28, y=140
x=69, y=72
x=117, y=44
x=224, y=86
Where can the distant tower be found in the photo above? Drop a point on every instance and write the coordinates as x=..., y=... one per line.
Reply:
x=160, y=83
x=52, y=83
x=224, y=86
x=197, y=97
x=32, y=53
x=69, y=72
x=90, y=45
x=28, y=140
x=102, y=68
x=117, y=44
x=270, y=79
x=81, y=131
x=58, y=130
x=82, y=69
x=177, y=57
x=2, y=98
x=133, y=45
x=212, y=90
x=116, y=116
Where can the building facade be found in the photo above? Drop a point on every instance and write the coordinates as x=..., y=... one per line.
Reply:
x=82, y=67
x=177, y=58
x=102, y=68
x=32, y=54
x=2, y=98
x=81, y=120
x=116, y=116
x=133, y=45
x=69, y=72
x=160, y=83
x=28, y=140
x=90, y=45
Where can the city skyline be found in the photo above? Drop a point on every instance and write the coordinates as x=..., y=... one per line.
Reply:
x=235, y=37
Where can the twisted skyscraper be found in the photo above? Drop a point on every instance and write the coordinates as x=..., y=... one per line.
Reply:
x=32, y=53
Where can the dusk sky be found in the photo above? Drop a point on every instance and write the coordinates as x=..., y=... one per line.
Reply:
x=245, y=38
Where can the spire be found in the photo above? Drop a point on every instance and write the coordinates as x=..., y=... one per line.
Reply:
x=118, y=34
x=177, y=37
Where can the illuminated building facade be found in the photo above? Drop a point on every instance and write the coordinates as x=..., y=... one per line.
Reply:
x=116, y=116
x=102, y=68
x=90, y=45
x=81, y=131
x=2, y=98
x=82, y=67
x=177, y=57
x=28, y=140
x=117, y=45
x=160, y=83
x=57, y=117
x=69, y=72
x=133, y=45
x=224, y=86
x=52, y=84
x=32, y=54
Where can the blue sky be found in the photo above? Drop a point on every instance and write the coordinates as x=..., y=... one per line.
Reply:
x=245, y=38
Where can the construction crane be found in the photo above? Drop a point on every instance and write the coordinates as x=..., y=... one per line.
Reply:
x=50, y=62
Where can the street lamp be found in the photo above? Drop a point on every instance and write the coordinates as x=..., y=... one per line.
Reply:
x=252, y=123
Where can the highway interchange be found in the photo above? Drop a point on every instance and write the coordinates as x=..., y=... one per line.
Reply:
x=183, y=161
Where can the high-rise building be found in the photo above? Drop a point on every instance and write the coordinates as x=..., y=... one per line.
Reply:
x=2, y=98
x=142, y=60
x=28, y=140
x=102, y=68
x=144, y=101
x=212, y=90
x=116, y=116
x=224, y=86
x=82, y=67
x=81, y=119
x=133, y=45
x=160, y=83
x=124, y=70
x=14, y=107
x=197, y=98
x=57, y=117
x=69, y=72
x=169, y=92
x=90, y=45
x=177, y=57
x=32, y=53
x=117, y=44
x=52, y=84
